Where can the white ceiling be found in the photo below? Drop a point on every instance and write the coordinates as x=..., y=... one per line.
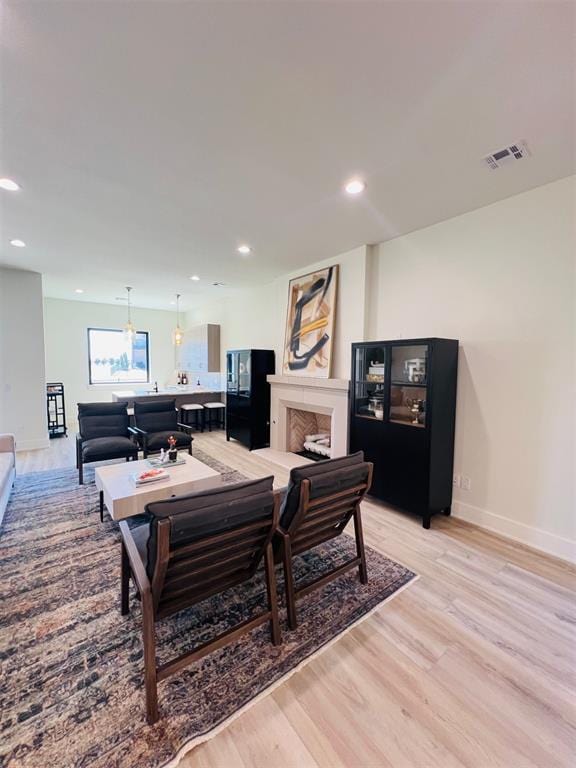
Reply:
x=151, y=138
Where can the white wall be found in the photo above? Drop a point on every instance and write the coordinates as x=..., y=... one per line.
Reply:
x=66, y=324
x=22, y=373
x=256, y=318
x=501, y=280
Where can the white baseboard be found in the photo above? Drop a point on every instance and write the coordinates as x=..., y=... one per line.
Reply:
x=525, y=534
x=32, y=445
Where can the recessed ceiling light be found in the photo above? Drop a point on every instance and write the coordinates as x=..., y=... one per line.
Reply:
x=79, y=290
x=244, y=249
x=18, y=243
x=195, y=277
x=355, y=186
x=10, y=185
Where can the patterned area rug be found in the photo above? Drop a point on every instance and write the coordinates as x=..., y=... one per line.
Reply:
x=71, y=688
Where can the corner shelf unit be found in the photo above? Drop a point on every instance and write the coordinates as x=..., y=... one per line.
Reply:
x=56, y=410
x=402, y=415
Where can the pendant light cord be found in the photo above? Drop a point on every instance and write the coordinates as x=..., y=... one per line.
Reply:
x=129, y=306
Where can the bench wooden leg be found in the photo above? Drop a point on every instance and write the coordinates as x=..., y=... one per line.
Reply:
x=360, y=551
x=149, y=640
x=289, y=583
x=272, y=596
x=125, y=582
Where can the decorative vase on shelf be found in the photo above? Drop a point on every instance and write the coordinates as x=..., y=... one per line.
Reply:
x=416, y=406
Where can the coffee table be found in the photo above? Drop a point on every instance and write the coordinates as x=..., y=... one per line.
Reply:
x=124, y=499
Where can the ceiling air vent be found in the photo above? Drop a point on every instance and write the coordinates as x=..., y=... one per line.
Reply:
x=508, y=155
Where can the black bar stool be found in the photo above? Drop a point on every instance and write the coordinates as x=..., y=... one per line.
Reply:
x=189, y=409
x=214, y=409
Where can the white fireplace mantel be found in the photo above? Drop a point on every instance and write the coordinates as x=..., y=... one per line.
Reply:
x=309, y=381
x=326, y=396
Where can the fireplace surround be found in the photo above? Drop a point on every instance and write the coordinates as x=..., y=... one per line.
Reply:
x=326, y=400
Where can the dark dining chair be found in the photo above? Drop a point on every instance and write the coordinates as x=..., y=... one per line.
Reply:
x=155, y=422
x=103, y=435
x=193, y=547
x=320, y=500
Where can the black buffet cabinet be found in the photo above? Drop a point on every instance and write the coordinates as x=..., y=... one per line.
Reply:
x=402, y=415
x=248, y=396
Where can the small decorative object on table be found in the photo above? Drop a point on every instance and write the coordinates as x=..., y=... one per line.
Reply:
x=172, y=450
x=162, y=461
x=149, y=476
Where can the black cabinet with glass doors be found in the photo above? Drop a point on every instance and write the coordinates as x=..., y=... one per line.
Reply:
x=402, y=415
x=248, y=396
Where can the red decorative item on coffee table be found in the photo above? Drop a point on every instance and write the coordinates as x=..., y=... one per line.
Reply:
x=172, y=450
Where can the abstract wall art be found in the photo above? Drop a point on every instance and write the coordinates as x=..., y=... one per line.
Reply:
x=310, y=323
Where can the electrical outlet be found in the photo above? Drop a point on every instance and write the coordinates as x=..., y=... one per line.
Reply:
x=456, y=481
x=466, y=483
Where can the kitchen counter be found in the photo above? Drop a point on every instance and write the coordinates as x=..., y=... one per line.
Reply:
x=189, y=394
x=130, y=394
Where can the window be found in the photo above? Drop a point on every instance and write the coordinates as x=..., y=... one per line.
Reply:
x=111, y=360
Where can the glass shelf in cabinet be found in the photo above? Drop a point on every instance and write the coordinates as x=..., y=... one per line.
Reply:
x=366, y=414
x=397, y=383
x=407, y=423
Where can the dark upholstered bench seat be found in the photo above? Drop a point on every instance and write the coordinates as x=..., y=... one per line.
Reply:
x=155, y=422
x=103, y=434
x=320, y=500
x=114, y=447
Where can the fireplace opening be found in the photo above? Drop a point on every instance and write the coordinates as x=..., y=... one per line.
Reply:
x=309, y=434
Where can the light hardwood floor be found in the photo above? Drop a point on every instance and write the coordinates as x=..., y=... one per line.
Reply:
x=474, y=665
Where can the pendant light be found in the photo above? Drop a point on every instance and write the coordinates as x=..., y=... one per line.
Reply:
x=177, y=334
x=129, y=330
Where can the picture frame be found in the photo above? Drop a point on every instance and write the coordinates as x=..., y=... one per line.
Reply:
x=310, y=323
